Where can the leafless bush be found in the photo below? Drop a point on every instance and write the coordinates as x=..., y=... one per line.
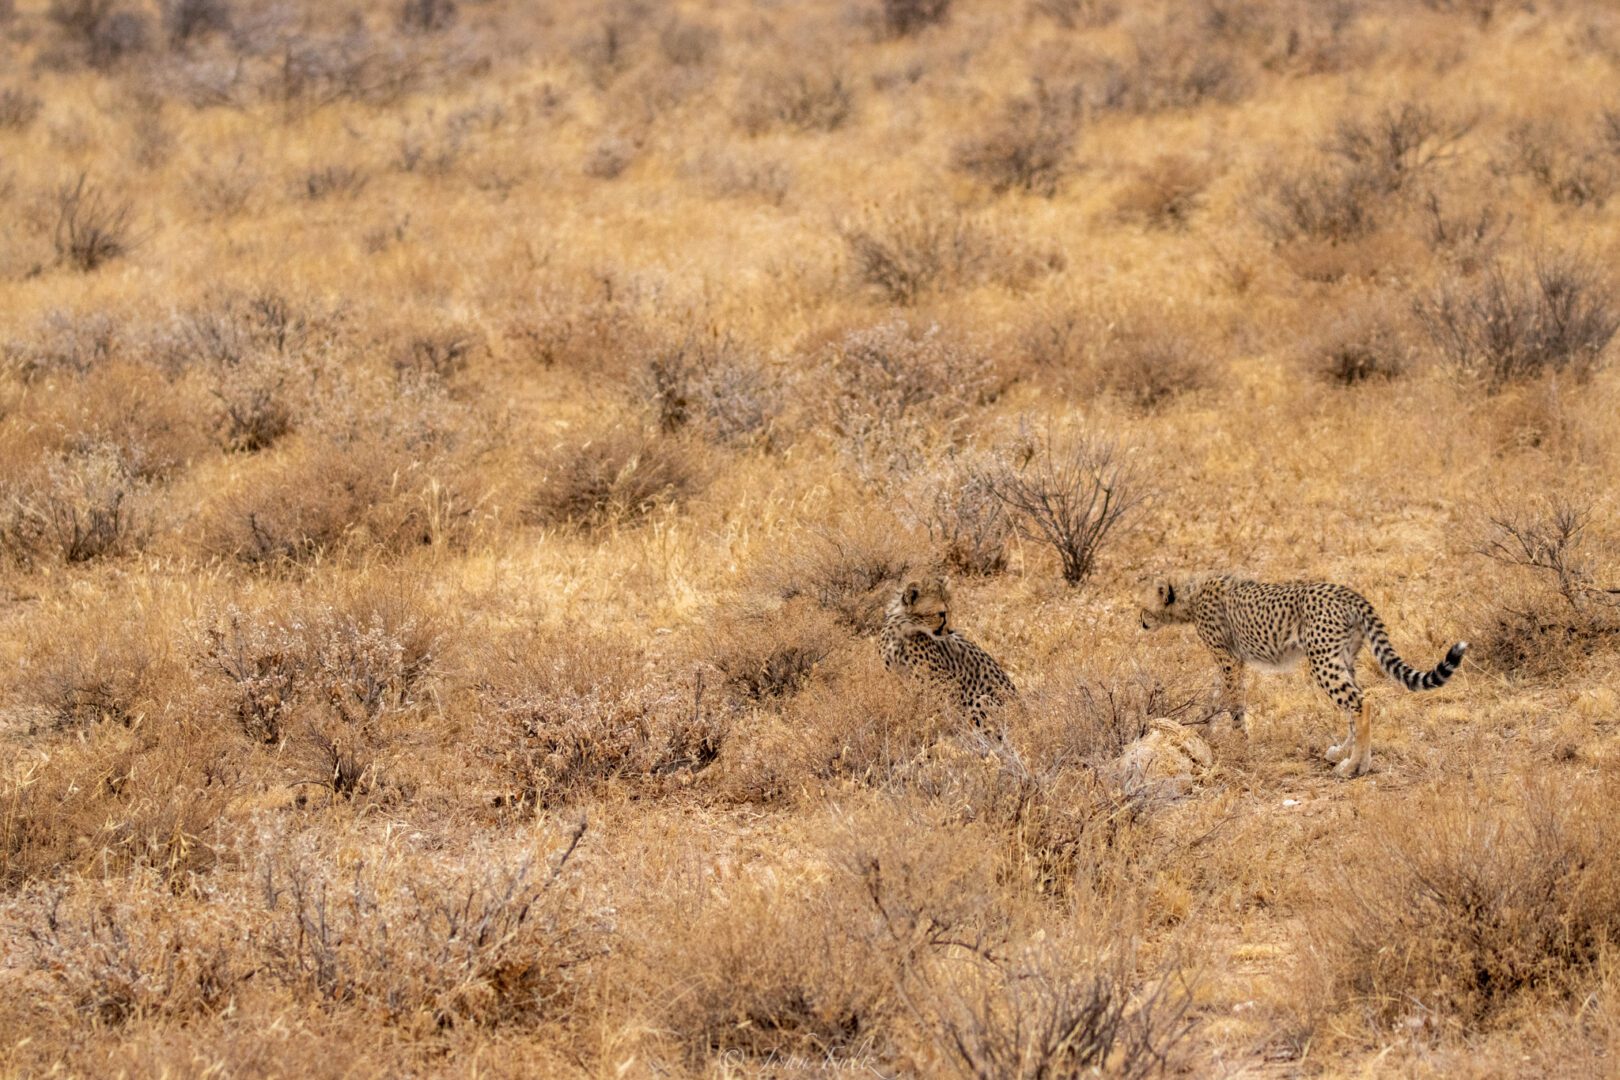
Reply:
x=66, y=342
x=803, y=97
x=119, y=36
x=1468, y=239
x=1070, y=492
x=1547, y=542
x=426, y=16
x=500, y=944
x=79, y=507
x=1027, y=148
x=1558, y=316
x=899, y=389
x=262, y=662
x=966, y=519
x=436, y=356
x=1396, y=145
x=846, y=570
x=255, y=401
x=991, y=1006
x=688, y=44
x=1166, y=192
x=713, y=384
x=901, y=18
x=903, y=252
x=1468, y=904
x=18, y=109
x=614, y=477
x=185, y=21
x=590, y=716
x=92, y=228
x=1077, y=14
x=1326, y=200
x=1571, y=171
x=89, y=674
x=1362, y=344
x=334, y=181
x=1172, y=64
x=1151, y=366
x=767, y=652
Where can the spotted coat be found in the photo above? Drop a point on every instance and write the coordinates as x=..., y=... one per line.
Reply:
x=1273, y=625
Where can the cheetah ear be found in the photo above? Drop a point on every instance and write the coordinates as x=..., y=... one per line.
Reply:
x=1169, y=592
x=910, y=595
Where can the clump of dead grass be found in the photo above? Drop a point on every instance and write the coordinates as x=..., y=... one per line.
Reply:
x=1462, y=908
x=616, y=476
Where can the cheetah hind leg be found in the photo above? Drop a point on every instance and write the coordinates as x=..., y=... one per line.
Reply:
x=1355, y=758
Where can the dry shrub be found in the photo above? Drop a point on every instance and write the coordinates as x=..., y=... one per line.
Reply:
x=846, y=568
x=1166, y=192
x=1397, y=145
x=334, y=181
x=364, y=657
x=1149, y=366
x=110, y=798
x=1069, y=490
x=902, y=18
x=860, y=724
x=900, y=389
x=1172, y=64
x=417, y=942
x=1027, y=148
x=381, y=472
x=74, y=342
x=251, y=347
x=766, y=651
x=614, y=477
x=1366, y=342
x=155, y=425
x=906, y=251
x=79, y=506
x=426, y=16
x=1569, y=170
x=1464, y=908
x=813, y=995
x=87, y=669
x=188, y=21
x=1076, y=14
x=1468, y=239
x=588, y=330
x=714, y=385
x=966, y=520
x=436, y=356
x=1324, y=200
x=1556, y=316
x=1542, y=628
x=18, y=109
x=92, y=227
x=801, y=96
x=983, y=995
x=563, y=717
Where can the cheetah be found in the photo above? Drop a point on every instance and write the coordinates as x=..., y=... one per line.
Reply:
x=917, y=636
x=1272, y=626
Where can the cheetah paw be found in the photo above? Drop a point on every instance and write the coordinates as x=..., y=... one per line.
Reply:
x=1335, y=752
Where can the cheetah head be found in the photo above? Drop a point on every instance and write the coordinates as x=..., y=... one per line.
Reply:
x=923, y=606
x=1171, y=602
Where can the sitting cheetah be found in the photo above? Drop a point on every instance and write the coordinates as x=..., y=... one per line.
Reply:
x=1273, y=626
x=917, y=636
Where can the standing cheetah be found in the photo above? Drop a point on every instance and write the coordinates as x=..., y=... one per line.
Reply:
x=917, y=636
x=1273, y=626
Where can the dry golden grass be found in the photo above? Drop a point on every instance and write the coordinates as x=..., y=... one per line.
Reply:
x=455, y=455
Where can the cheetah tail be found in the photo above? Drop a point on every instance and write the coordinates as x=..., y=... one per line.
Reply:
x=1400, y=670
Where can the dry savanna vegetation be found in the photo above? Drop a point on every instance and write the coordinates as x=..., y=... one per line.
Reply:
x=456, y=454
